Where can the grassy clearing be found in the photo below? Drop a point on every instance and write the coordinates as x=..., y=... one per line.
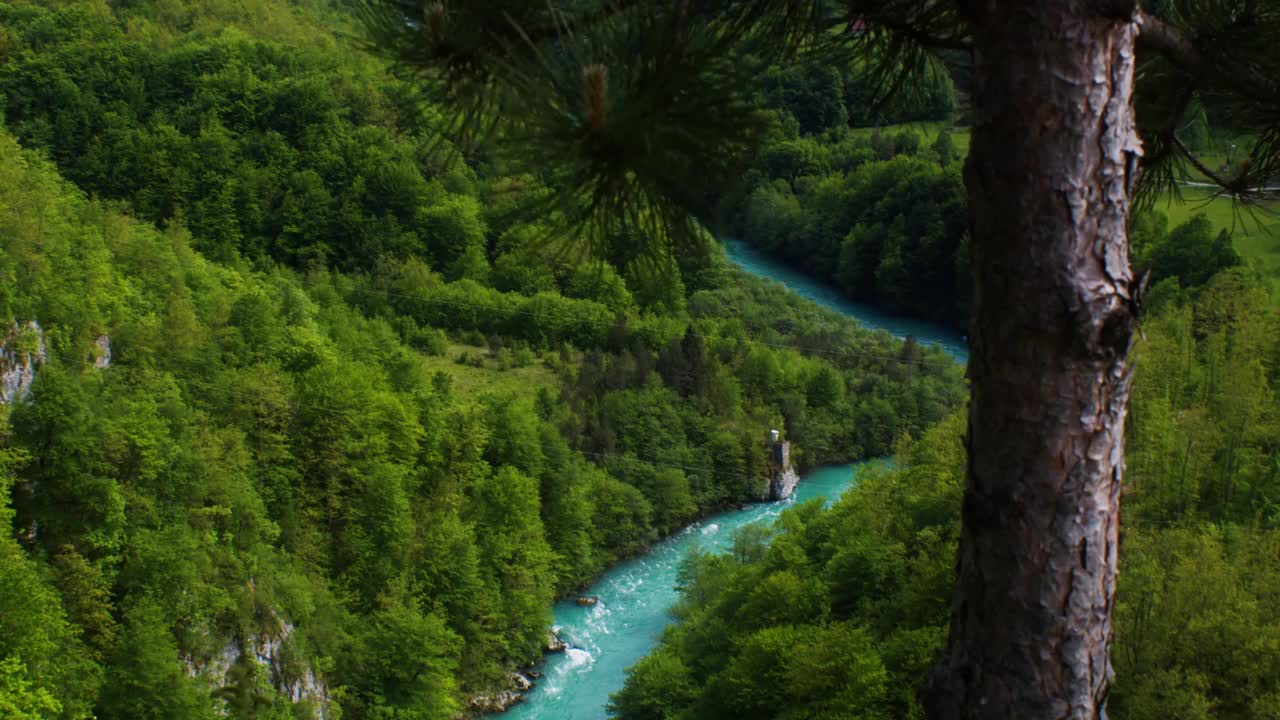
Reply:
x=471, y=382
x=928, y=131
x=1256, y=235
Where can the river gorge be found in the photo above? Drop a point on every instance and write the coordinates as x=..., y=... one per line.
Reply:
x=634, y=597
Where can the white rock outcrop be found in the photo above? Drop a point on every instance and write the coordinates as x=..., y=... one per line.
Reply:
x=102, y=359
x=503, y=699
x=266, y=649
x=22, y=352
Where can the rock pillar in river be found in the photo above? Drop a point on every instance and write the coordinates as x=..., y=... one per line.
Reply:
x=782, y=474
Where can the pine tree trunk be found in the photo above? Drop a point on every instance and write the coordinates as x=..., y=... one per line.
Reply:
x=1052, y=163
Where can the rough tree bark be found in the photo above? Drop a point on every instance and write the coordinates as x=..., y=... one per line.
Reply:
x=1052, y=164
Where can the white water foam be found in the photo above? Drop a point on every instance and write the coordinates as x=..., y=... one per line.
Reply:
x=576, y=660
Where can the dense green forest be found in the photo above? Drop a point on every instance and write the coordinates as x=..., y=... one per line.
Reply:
x=839, y=613
x=309, y=400
x=294, y=392
x=881, y=213
x=883, y=217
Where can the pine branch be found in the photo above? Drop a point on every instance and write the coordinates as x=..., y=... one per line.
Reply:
x=911, y=22
x=1223, y=52
x=923, y=39
x=900, y=41
x=1199, y=165
x=538, y=34
x=1160, y=162
x=1244, y=79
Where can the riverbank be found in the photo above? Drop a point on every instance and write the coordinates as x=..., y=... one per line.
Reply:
x=757, y=262
x=635, y=596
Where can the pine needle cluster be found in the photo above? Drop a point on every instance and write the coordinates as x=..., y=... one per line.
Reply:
x=1209, y=61
x=633, y=111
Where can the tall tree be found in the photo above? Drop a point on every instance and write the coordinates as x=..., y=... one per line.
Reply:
x=1054, y=158
x=637, y=108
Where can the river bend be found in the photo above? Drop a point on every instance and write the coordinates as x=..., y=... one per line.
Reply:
x=635, y=595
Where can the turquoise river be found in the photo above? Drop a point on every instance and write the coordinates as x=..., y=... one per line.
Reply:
x=635, y=595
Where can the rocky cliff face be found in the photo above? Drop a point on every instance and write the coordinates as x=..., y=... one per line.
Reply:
x=266, y=648
x=22, y=350
x=102, y=352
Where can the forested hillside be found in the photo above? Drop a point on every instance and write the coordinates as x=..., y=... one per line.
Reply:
x=838, y=614
x=299, y=420
x=880, y=212
x=302, y=416
x=883, y=217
